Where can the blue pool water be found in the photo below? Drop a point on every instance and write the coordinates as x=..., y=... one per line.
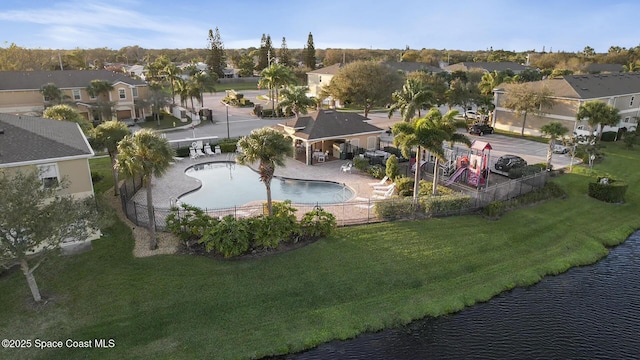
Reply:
x=226, y=185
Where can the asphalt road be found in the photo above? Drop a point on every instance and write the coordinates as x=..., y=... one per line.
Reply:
x=241, y=122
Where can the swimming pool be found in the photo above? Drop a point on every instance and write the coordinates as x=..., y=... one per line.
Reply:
x=226, y=184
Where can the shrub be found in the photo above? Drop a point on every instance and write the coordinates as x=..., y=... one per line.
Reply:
x=608, y=190
x=361, y=163
x=404, y=185
x=377, y=171
x=524, y=171
x=188, y=222
x=494, y=209
x=317, y=223
x=630, y=138
x=269, y=231
x=399, y=208
x=392, y=167
x=229, y=237
x=228, y=145
x=445, y=203
x=96, y=177
x=609, y=136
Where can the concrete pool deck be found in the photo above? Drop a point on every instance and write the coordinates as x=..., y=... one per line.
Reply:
x=175, y=182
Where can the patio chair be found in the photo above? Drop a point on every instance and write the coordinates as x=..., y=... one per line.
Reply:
x=217, y=150
x=386, y=195
x=381, y=182
x=346, y=167
x=192, y=153
x=385, y=190
x=207, y=150
x=200, y=153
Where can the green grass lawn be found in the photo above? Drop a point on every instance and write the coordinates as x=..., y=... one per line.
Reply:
x=363, y=278
x=237, y=86
x=167, y=122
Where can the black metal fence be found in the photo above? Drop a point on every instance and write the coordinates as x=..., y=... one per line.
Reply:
x=348, y=213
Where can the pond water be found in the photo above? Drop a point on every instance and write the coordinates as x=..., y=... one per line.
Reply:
x=226, y=184
x=592, y=312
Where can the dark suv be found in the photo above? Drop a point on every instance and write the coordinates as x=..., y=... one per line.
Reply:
x=480, y=129
x=508, y=162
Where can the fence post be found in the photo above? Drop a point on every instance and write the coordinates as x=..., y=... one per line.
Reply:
x=135, y=212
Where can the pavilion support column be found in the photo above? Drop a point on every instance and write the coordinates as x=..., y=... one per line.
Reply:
x=308, y=155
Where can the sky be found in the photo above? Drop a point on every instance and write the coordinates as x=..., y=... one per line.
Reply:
x=514, y=25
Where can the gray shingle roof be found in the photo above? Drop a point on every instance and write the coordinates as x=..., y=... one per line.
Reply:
x=590, y=86
x=34, y=80
x=488, y=66
x=27, y=138
x=327, y=70
x=325, y=124
x=408, y=67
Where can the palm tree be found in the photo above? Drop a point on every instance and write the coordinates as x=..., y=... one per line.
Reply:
x=100, y=90
x=598, y=115
x=52, y=94
x=274, y=77
x=107, y=136
x=172, y=73
x=413, y=97
x=446, y=125
x=295, y=99
x=270, y=148
x=554, y=130
x=145, y=154
x=631, y=67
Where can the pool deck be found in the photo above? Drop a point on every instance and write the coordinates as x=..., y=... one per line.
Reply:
x=175, y=182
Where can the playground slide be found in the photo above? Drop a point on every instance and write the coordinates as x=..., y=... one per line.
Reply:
x=455, y=175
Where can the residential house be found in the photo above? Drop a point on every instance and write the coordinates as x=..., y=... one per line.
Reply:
x=330, y=133
x=57, y=149
x=487, y=67
x=319, y=78
x=621, y=90
x=20, y=92
x=408, y=67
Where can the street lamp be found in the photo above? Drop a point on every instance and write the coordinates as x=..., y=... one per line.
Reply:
x=227, y=107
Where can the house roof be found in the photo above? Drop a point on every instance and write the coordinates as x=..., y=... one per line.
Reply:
x=327, y=70
x=34, y=80
x=487, y=66
x=604, y=68
x=589, y=86
x=408, y=67
x=31, y=139
x=327, y=124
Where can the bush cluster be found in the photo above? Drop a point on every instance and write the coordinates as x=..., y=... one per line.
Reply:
x=550, y=190
x=608, y=190
x=445, y=204
x=232, y=237
x=516, y=173
x=399, y=208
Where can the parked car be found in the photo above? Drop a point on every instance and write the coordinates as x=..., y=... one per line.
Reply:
x=508, y=162
x=560, y=149
x=480, y=129
x=474, y=115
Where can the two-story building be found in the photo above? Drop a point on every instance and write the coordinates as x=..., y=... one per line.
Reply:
x=56, y=149
x=620, y=90
x=20, y=92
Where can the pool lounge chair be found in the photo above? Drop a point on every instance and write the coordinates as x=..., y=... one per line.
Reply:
x=192, y=153
x=383, y=189
x=385, y=195
x=200, y=153
x=207, y=150
x=346, y=167
x=381, y=182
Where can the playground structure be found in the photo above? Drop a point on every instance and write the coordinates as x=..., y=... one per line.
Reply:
x=473, y=169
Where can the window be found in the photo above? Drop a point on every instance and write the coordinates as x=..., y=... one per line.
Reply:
x=627, y=119
x=76, y=94
x=320, y=78
x=134, y=90
x=631, y=102
x=122, y=94
x=49, y=175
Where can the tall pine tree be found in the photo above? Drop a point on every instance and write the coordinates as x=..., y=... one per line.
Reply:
x=310, y=53
x=216, y=61
x=284, y=55
x=263, y=55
